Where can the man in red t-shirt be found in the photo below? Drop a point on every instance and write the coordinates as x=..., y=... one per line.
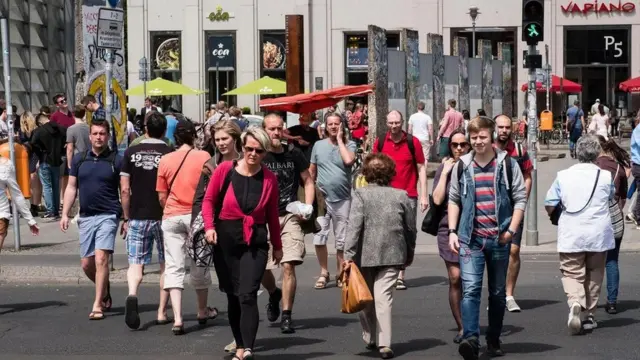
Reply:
x=63, y=117
x=519, y=153
x=409, y=172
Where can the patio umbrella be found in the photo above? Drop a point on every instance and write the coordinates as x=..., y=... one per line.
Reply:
x=262, y=86
x=631, y=85
x=162, y=87
x=568, y=86
x=306, y=103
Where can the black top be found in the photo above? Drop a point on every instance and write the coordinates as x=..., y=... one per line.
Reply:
x=141, y=165
x=48, y=142
x=308, y=134
x=287, y=166
x=247, y=189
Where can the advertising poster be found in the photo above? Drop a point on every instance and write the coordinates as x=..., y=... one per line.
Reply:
x=94, y=67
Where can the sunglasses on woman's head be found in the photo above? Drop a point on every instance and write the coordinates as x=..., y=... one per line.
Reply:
x=250, y=149
x=460, y=144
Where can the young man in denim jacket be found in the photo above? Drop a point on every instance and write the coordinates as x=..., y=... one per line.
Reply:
x=485, y=211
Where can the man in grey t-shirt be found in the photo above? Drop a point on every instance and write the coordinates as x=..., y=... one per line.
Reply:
x=331, y=161
x=77, y=140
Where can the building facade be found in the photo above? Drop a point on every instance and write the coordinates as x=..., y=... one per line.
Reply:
x=216, y=46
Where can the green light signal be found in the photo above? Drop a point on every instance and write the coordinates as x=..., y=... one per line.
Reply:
x=533, y=32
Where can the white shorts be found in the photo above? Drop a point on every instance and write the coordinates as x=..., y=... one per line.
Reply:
x=338, y=213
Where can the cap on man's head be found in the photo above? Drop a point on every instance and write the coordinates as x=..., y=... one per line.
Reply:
x=185, y=126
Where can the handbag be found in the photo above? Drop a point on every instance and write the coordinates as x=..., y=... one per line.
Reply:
x=355, y=291
x=617, y=219
x=560, y=208
x=431, y=221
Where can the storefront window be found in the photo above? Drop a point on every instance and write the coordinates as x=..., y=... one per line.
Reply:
x=357, y=56
x=166, y=63
x=220, y=60
x=273, y=56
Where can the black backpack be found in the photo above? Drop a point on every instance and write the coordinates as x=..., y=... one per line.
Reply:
x=412, y=148
x=508, y=165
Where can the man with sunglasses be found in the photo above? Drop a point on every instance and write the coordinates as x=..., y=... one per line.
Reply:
x=519, y=154
x=65, y=119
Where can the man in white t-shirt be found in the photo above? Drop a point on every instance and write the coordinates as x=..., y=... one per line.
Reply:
x=421, y=126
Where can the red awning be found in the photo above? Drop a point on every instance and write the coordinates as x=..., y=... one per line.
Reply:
x=631, y=85
x=306, y=103
x=568, y=86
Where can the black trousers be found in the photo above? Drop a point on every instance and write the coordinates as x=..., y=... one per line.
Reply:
x=240, y=269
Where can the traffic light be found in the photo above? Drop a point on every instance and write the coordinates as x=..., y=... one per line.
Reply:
x=532, y=21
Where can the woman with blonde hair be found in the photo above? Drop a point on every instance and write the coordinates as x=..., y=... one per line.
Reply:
x=27, y=126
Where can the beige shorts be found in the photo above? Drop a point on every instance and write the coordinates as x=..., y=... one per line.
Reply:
x=293, y=249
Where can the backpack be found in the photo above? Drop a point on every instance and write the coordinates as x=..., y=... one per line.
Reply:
x=507, y=161
x=111, y=158
x=412, y=148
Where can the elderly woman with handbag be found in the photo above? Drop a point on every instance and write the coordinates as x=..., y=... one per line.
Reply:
x=381, y=243
x=578, y=202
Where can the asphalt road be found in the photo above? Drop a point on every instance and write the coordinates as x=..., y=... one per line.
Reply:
x=50, y=322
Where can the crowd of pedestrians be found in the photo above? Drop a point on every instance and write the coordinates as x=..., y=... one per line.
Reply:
x=238, y=199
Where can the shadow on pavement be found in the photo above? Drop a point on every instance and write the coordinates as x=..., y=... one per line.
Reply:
x=507, y=330
x=14, y=308
x=312, y=355
x=527, y=348
x=427, y=281
x=27, y=247
x=616, y=322
x=283, y=343
x=142, y=308
x=415, y=345
x=320, y=323
x=530, y=304
x=628, y=305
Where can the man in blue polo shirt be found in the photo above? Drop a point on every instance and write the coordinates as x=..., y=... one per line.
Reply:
x=96, y=174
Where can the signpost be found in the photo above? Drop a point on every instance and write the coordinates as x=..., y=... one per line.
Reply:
x=110, y=27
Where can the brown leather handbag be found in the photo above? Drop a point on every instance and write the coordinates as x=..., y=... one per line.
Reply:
x=355, y=291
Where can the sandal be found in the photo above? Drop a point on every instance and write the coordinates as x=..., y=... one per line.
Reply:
x=213, y=313
x=248, y=354
x=338, y=281
x=107, y=302
x=400, y=285
x=178, y=330
x=96, y=315
x=322, y=281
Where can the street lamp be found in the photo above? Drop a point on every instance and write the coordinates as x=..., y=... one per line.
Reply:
x=473, y=12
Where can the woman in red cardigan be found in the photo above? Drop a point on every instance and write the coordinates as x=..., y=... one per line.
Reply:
x=240, y=203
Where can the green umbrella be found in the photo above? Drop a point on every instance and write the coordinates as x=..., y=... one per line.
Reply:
x=162, y=87
x=263, y=86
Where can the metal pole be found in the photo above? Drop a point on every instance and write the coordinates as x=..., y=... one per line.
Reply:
x=217, y=82
x=548, y=73
x=144, y=43
x=6, y=67
x=532, y=204
x=473, y=36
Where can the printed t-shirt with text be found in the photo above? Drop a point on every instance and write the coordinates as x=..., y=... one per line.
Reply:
x=287, y=166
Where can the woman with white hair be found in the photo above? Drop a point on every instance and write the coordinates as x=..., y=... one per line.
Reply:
x=579, y=201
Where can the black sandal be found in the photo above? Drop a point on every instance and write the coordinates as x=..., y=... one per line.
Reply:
x=178, y=330
x=203, y=321
x=248, y=356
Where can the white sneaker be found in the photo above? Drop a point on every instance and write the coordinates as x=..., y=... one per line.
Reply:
x=512, y=305
x=575, y=323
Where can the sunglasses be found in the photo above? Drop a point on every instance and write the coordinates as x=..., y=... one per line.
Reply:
x=250, y=149
x=460, y=144
x=62, y=101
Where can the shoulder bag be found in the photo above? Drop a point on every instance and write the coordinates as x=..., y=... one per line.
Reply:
x=617, y=220
x=177, y=171
x=560, y=208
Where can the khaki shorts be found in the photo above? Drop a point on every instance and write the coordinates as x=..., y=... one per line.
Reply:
x=293, y=249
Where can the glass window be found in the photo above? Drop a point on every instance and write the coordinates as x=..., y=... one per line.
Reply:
x=166, y=63
x=220, y=66
x=357, y=55
x=273, y=55
x=596, y=46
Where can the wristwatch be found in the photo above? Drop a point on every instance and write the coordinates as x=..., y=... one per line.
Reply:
x=513, y=233
x=453, y=231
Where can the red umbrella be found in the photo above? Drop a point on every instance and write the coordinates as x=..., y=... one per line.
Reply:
x=631, y=85
x=306, y=103
x=568, y=86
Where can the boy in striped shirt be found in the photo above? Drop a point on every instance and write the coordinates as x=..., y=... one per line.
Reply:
x=487, y=199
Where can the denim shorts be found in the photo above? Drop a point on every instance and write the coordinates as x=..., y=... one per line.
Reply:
x=97, y=232
x=140, y=238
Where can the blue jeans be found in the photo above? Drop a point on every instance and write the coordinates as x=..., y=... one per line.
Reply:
x=473, y=258
x=50, y=179
x=613, y=273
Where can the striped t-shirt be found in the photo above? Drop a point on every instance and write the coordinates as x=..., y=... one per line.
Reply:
x=485, y=223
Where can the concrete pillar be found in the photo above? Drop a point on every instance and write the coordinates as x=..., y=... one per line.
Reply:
x=461, y=50
x=487, y=76
x=434, y=47
x=379, y=77
x=409, y=40
x=505, y=55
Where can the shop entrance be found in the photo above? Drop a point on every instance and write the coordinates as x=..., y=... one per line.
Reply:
x=600, y=82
